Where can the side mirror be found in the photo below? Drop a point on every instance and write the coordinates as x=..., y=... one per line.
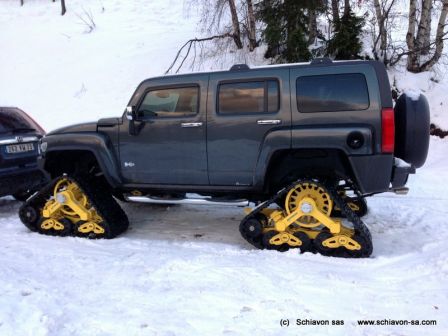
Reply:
x=130, y=113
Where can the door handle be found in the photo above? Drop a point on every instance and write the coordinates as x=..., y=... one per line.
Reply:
x=269, y=122
x=191, y=124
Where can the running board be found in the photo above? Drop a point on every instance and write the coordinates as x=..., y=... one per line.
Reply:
x=197, y=201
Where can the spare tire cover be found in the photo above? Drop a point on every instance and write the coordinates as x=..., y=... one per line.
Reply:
x=412, y=129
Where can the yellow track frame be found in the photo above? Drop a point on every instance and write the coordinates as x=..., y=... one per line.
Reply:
x=70, y=202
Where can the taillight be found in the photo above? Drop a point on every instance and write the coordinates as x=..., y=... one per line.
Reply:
x=387, y=130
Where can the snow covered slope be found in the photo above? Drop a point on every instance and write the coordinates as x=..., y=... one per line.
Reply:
x=185, y=270
x=51, y=67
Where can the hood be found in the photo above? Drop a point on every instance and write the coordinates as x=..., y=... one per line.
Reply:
x=78, y=128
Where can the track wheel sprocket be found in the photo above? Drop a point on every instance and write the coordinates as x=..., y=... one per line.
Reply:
x=313, y=191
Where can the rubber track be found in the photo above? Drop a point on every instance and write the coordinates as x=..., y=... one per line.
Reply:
x=349, y=185
x=115, y=219
x=359, y=227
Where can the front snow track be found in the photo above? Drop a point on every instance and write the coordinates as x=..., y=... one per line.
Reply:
x=74, y=206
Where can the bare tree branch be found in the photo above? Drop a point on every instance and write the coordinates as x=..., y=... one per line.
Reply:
x=188, y=45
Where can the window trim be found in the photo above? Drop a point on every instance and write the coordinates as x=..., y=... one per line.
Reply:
x=264, y=80
x=333, y=74
x=167, y=87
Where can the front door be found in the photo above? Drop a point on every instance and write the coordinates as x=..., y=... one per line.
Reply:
x=169, y=145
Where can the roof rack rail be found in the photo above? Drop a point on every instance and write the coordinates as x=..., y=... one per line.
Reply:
x=321, y=60
x=239, y=67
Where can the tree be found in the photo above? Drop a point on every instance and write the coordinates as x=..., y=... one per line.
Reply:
x=417, y=36
x=251, y=27
x=63, y=9
x=346, y=42
x=235, y=24
x=383, y=22
x=287, y=24
x=225, y=34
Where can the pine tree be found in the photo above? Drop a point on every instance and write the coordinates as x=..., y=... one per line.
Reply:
x=286, y=28
x=346, y=43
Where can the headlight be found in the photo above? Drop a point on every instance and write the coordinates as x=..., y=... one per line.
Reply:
x=43, y=146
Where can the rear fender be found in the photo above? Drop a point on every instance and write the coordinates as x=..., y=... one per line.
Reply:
x=336, y=139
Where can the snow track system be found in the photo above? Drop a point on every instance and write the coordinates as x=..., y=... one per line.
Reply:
x=305, y=221
x=84, y=207
x=74, y=206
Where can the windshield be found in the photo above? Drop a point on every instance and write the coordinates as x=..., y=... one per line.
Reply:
x=12, y=120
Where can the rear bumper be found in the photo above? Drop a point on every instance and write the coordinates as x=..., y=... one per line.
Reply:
x=28, y=179
x=400, y=174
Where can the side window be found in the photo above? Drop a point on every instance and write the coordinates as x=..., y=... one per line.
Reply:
x=248, y=97
x=174, y=102
x=328, y=93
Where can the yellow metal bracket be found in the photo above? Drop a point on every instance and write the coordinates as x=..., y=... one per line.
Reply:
x=67, y=198
x=52, y=224
x=341, y=240
x=91, y=227
x=285, y=238
x=307, y=207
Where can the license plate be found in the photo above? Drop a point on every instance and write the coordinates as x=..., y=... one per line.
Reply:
x=19, y=148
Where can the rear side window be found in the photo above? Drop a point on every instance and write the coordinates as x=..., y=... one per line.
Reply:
x=172, y=102
x=249, y=97
x=10, y=120
x=328, y=93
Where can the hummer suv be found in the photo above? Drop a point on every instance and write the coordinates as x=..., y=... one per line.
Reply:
x=305, y=142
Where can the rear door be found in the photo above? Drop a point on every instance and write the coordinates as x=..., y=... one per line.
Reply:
x=243, y=107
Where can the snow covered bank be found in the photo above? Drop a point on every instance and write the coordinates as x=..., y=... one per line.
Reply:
x=60, y=74
x=53, y=69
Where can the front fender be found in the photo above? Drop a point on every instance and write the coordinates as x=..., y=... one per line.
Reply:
x=98, y=144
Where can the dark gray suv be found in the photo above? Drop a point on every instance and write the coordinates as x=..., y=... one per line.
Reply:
x=19, y=137
x=305, y=142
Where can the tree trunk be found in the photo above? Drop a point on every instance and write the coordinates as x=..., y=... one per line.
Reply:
x=427, y=35
x=424, y=28
x=21, y=2
x=439, y=39
x=346, y=7
x=312, y=26
x=251, y=19
x=382, y=34
x=335, y=9
x=412, y=63
x=235, y=24
x=63, y=9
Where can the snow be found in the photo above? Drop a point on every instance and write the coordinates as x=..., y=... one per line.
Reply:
x=185, y=270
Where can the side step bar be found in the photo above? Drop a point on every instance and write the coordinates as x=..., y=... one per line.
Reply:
x=197, y=201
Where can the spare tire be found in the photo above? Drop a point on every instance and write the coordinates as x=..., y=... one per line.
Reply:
x=412, y=129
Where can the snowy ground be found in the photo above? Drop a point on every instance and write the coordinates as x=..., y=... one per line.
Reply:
x=185, y=270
